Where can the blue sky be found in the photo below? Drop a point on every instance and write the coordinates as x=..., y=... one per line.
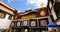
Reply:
x=23, y=5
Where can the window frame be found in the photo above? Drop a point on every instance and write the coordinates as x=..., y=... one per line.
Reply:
x=31, y=21
x=19, y=23
x=2, y=14
x=26, y=22
x=13, y=24
x=10, y=17
x=46, y=19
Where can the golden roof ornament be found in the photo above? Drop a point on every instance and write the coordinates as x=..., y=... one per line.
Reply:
x=18, y=11
x=42, y=5
x=42, y=13
x=29, y=9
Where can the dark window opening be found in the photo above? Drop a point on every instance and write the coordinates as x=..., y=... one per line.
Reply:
x=2, y=14
x=10, y=17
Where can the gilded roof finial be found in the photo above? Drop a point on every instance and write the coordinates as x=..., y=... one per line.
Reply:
x=42, y=5
x=18, y=11
x=29, y=9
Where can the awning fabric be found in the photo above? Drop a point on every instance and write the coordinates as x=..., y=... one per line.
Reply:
x=52, y=24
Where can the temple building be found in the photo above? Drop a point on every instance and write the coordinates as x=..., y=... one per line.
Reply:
x=6, y=16
x=32, y=20
x=36, y=20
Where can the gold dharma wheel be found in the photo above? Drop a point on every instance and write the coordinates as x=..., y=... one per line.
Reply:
x=42, y=13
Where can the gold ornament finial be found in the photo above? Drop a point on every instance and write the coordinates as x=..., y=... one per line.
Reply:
x=42, y=5
x=18, y=11
x=29, y=9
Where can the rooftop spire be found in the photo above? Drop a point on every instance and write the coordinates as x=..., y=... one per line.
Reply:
x=42, y=5
x=29, y=9
x=18, y=11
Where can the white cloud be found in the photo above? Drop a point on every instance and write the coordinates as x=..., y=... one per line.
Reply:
x=37, y=3
x=13, y=0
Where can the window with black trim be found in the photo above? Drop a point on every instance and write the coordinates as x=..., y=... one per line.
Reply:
x=2, y=14
x=12, y=24
x=25, y=23
x=18, y=23
x=45, y=21
x=10, y=17
x=33, y=23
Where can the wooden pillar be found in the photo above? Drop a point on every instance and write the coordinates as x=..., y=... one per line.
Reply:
x=37, y=22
